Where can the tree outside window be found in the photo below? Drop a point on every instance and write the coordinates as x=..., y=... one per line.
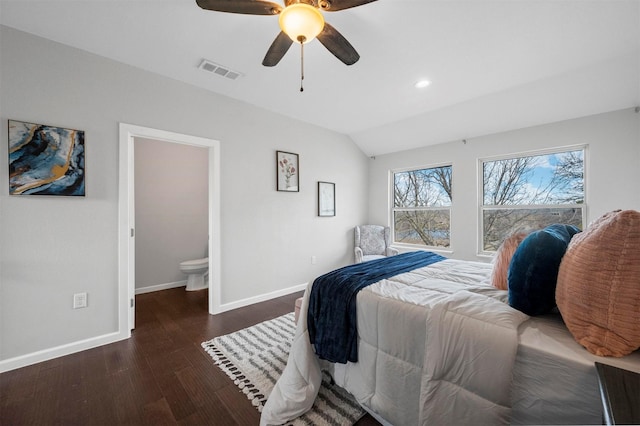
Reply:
x=529, y=193
x=422, y=206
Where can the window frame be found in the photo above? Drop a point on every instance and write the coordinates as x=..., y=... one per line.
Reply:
x=392, y=209
x=531, y=153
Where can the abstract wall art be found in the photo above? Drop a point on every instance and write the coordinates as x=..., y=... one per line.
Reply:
x=45, y=160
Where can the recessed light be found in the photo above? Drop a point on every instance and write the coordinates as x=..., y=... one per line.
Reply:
x=422, y=84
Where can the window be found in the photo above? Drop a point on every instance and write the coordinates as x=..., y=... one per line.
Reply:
x=422, y=206
x=530, y=192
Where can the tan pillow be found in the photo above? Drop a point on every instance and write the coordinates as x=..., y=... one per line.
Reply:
x=598, y=288
x=502, y=259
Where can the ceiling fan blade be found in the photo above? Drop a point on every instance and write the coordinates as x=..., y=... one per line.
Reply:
x=335, y=5
x=247, y=7
x=278, y=48
x=338, y=45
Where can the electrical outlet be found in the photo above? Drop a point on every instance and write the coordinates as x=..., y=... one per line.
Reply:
x=313, y=260
x=79, y=300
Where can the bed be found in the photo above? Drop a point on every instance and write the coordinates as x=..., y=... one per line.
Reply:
x=440, y=345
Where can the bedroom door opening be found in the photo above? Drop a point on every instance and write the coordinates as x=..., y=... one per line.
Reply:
x=171, y=204
x=126, y=221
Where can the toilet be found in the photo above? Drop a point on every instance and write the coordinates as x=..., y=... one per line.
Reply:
x=196, y=271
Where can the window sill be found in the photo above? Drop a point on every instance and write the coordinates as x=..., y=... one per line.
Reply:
x=404, y=248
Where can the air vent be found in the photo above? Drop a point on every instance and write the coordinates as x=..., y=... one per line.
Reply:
x=220, y=70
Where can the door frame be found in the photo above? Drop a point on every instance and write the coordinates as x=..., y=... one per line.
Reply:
x=126, y=217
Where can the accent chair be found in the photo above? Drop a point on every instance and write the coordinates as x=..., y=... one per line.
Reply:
x=372, y=242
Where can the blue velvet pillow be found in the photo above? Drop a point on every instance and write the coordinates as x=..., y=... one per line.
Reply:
x=533, y=270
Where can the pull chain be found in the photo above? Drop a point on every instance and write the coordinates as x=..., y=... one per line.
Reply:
x=301, y=39
x=301, y=66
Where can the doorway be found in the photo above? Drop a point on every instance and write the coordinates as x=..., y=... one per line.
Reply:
x=126, y=217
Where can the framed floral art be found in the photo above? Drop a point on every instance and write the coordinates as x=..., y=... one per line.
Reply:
x=288, y=171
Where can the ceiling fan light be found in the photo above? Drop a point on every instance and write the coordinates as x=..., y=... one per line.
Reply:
x=301, y=22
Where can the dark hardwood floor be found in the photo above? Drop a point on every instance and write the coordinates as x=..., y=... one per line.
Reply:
x=161, y=375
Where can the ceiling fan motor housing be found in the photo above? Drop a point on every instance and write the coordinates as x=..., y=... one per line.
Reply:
x=301, y=22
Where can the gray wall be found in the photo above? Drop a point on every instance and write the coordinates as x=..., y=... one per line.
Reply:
x=53, y=247
x=612, y=169
x=171, y=205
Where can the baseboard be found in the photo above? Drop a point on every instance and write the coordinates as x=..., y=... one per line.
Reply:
x=261, y=298
x=58, y=351
x=71, y=348
x=158, y=287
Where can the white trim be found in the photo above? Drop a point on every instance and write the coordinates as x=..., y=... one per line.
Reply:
x=125, y=254
x=58, y=351
x=215, y=229
x=406, y=248
x=481, y=208
x=126, y=220
x=263, y=297
x=534, y=152
x=423, y=167
x=392, y=209
x=159, y=287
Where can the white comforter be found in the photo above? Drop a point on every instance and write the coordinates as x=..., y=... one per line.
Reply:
x=436, y=346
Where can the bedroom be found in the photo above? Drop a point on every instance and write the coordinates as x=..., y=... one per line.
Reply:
x=53, y=248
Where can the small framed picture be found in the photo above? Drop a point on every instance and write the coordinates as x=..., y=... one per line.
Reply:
x=326, y=199
x=288, y=172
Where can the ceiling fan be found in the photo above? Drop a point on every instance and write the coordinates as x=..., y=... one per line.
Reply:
x=300, y=21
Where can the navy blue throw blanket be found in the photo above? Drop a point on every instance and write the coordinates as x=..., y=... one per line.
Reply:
x=331, y=318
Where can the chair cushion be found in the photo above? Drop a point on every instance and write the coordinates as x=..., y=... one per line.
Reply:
x=598, y=292
x=502, y=259
x=372, y=257
x=372, y=240
x=533, y=270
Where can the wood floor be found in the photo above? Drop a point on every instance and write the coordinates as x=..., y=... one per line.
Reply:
x=160, y=376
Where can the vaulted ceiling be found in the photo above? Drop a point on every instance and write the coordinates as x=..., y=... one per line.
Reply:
x=494, y=65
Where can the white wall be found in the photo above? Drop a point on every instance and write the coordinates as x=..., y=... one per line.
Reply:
x=53, y=247
x=612, y=171
x=172, y=210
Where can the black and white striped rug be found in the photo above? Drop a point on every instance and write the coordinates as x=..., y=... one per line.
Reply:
x=255, y=357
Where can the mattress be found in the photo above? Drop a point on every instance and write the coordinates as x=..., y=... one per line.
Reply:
x=554, y=377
